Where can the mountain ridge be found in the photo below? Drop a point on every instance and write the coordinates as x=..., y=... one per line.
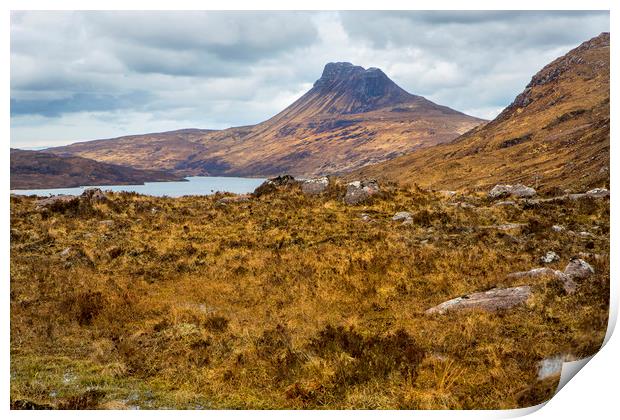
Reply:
x=351, y=117
x=33, y=169
x=554, y=134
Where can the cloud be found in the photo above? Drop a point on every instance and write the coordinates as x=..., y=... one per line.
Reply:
x=77, y=103
x=96, y=74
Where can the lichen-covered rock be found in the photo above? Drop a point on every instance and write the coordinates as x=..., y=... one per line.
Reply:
x=56, y=201
x=360, y=191
x=282, y=180
x=94, y=195
x=491, y=300
x=505, y=190
x=549, y=257
x=314, y=186
x=578, y=269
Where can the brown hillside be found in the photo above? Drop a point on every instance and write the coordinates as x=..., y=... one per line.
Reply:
x=31, y=170
x=554, y=134
x=350, y=118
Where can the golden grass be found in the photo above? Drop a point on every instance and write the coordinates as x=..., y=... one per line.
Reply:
x=287, y=301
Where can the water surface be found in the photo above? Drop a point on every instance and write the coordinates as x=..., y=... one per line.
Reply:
x=195, y=185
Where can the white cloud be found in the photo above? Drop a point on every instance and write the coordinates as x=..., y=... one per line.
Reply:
x=106, y=74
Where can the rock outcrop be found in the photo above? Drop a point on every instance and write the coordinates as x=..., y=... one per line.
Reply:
x=93, y=195
x=360, y=191
x=62, y=202
x=55, y=201
x=491, y=300
x=578, y=269
x=505, y=190
x=549, y=257
x=314, y=186
x=574, y=273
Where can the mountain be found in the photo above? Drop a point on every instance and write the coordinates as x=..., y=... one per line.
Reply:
x=555, y=134
x=350, y=118
x=31, y=170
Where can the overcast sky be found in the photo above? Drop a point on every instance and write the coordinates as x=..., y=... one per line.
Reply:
x=90, y=75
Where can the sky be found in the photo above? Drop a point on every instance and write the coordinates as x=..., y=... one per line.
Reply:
x=100, y=74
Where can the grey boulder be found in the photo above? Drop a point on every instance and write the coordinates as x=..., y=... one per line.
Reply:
x=314, y=186
x=505, y=190
x=491, y=300
x=360, y=191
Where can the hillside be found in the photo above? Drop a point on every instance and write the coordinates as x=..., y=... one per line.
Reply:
x=554, y=134
x=32, y=170
x=350, y=118
x=288, y=301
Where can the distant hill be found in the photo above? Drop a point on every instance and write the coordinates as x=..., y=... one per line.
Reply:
x=32, y=169
x=554, y=134
x=350, y=118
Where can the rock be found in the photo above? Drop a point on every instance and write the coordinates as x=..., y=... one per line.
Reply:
x=56, y=201
x=314, y=186
x=536, y=273
x=578, y=269
x=365, y=217
x=549, y=257
x=360, y=191
x=107, y=223
x=568, y=284
x=506, y=226
x=272, y=184
x=518, y=190
x=586, y=234
x=594, y=193
x=94, y=195
x=282, y=180
x=61, y=202
x=598, y=193
x=491, y=300
x=402, y=216
x=557, y=228
x=65, y=252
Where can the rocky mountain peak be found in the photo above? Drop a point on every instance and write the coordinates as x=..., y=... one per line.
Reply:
x=347, y=72
x=359, y=89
